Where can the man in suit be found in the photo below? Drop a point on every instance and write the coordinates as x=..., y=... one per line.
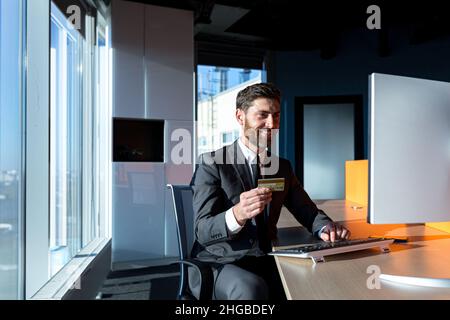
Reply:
x=235, y=221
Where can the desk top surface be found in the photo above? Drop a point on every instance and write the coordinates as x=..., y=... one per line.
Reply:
x=345, y=276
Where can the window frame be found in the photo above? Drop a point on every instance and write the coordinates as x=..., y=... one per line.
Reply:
x=67, y=222
x=37, y=143
x=39, y=285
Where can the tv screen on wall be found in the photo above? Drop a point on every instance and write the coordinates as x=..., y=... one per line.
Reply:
x=138, y=140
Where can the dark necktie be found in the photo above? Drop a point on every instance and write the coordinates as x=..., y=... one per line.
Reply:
x=255, y=174
x=261, y=219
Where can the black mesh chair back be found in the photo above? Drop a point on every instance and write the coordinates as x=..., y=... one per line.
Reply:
x=184, y=218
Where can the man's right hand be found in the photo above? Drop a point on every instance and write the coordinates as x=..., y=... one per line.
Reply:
x=251, y=204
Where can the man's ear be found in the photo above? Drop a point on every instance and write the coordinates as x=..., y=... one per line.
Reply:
x=240, y=116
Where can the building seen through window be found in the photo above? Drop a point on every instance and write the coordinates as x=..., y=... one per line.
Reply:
x=11, y=156
x=217, y=91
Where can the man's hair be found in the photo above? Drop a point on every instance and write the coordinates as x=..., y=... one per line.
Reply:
x=246, y=96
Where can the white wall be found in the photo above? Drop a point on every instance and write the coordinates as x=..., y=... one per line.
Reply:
x=153, y=79
x=128, y=63
x=169, y=63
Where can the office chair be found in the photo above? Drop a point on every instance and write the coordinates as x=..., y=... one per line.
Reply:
x=184, y=213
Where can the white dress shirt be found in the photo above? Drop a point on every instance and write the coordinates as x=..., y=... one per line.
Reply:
x=232, y=224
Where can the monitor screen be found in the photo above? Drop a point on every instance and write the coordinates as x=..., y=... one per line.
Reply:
x=138, y=140
x=409, y=150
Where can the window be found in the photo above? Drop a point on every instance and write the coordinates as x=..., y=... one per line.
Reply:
x=217, y=91
x=227, y=137
x=79, y=160
x=80, y=139
x=11, y=124
x=66, y=67
x=202, y=141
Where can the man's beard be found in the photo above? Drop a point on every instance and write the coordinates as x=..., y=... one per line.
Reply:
x=258, y=137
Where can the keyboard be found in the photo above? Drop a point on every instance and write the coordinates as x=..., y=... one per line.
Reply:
x=317, y=251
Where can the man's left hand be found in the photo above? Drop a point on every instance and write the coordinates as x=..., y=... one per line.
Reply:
x=334, y=231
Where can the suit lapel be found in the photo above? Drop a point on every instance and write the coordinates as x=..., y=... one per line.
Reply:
x=239, y=164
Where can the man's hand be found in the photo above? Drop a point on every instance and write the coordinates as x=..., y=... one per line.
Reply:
x=334, y=231
x=251, y=204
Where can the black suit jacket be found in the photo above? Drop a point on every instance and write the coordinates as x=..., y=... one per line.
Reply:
x=220, y=177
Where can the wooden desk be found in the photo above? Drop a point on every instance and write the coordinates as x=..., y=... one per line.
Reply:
x=344, y=276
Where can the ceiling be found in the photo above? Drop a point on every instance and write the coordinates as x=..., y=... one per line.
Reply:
x=307, y=25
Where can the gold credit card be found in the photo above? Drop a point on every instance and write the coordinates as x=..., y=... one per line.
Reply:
x=275, y=184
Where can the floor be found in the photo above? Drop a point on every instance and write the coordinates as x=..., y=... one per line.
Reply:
x=151, y=283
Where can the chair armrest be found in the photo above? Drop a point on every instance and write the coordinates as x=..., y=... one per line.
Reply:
x=206, y=276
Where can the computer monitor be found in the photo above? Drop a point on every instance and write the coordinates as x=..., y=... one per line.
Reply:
x=409, y=150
